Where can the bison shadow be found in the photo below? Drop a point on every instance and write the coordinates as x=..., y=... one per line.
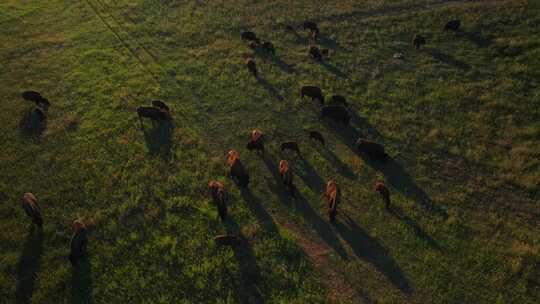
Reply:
x=333, y=69
x=309, y=175
x=480, y=40
x=287, y=68
x=300, y=39
x=448, y=59
x=81, y=282
x=31, y=125
x=398, y=213
x=341, y=167
x=260, y=213
x=370, y=250
x=250, y=274
x=28, y=266
x=269, y=88
x=159, y=138
x=330, y=43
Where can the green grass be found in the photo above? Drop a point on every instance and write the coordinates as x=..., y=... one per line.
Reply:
x=460, y=118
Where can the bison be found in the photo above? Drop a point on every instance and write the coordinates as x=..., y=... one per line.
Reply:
x=268, y=47
x=250, y=36
x=237, y=171
x=37, y=99
x=374, y=150
x=290, y=145
x=220, y=197
x=31, y=208
x=227, y=240
x=333, y=194
x=256, y=141
x=160, y=105
x=153, y=113
x=380, y=187
x=310, y=25
x=313, y=92
x=418, y=41
x=251, y=66
x=314, y=135
x=338, y=100
x=452, y=25
x=286, y=176
x=79, y=241
x=314, y=52
x=337, y=113
x=289, y=28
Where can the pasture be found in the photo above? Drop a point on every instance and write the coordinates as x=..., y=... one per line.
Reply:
x=459, y=118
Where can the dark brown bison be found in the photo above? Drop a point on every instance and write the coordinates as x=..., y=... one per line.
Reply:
x=290, y=145
x=452, y=25
x=337, y=113
x=237, y=171
x=79, y=241
x=155, y=114
x=310, y=25
x=380, y=187
x=253, y=45
x=251, y=66
x=317, y=137
x=220, y=197
x=313, y=92
x=374, y=150
x=37, y=99
x=227, y=240
x=250, y=36
x=333, y=194
x=31, y=208
x=418, y=41
x=160, y=105
x=256, y=141
x=286, y=176
x=268, y=47
x=314, y=52
x=289, y=28
x=338, y=100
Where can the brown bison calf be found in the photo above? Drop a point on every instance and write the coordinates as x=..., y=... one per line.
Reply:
x=227, y=240
x=237, y=171
x=333, y=194
x=220, y=197
x=31, y=208
x=286, y=176
x=79, y=241
x=251, y=66
x=418, y=41
x=313, y=92
x=290, y=145
x=317, y=137
x=256, y=141
x=314, y=52
x=374, y=150
x=383, y=191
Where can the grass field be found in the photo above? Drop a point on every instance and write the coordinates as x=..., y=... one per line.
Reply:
x=460, y=119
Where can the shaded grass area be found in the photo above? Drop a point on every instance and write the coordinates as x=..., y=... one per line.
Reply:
x=459, y=118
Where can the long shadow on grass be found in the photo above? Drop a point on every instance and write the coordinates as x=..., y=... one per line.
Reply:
x=477, y=38
x=250, y=274
x=370, y=250
x=398, y=213
x=28, y=265
x=341, y=167
x=31, y=125
x=269, y=88
x=287, y=68
x=158, y=138
x=448, y=59
x=333, y=69
x=253, y=204
x=81, y=282
x=309, y=175
x=300, y=204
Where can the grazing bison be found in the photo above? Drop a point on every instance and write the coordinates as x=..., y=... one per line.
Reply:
x=31, y=208
x=338, y=100
x=36, y=98
x=314, y=52
x=313, y=92
x=160, y=105
x=78, y=242
x=153, y=113
x=237, y=171
x=286, y=176
x=290, y=145
x=310, y=25
x=256, y=141
x=383, y=191
x=418, y=41
x=250, y=36
x=374, y=150
x=227, y=240
x=337, y=113
x=452, y=25
x=333, y=194
x=251, y=66
x=253, y=45
x=317, y=136
x=220, y=197
x=268, y=47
